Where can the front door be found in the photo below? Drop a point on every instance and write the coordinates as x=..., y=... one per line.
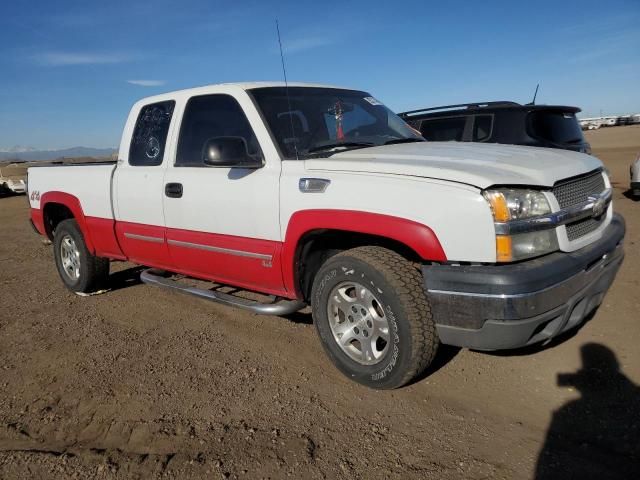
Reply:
x=224, y=225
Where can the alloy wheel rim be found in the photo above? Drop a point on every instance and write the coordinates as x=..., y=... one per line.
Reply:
x=70, y=257
x=358, y=323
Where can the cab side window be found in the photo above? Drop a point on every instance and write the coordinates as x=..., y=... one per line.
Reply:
x=207, y=117
x=150, y=134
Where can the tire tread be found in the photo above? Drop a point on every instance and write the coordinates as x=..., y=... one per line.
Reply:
x=407, y=281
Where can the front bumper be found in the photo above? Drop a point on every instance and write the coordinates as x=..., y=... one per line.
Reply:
x=508, y=306
x=635, y=186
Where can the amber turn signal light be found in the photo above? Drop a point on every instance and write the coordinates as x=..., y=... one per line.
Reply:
x=504, y=249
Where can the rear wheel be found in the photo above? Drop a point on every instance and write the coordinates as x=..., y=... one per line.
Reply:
x=79, y=270
x=373, y=317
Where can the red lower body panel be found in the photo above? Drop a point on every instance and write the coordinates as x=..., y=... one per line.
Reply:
x=144, y=244
x=103, y=234
x=246, y=262
x=38, y=220
x=243, y=262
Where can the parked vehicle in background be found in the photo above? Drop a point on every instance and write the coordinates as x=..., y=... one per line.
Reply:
x=13, y=177
x=635, y=177
x=624, y=120
x=501, y=122
x=322, y=196
x=608, y=121
x=591, y=123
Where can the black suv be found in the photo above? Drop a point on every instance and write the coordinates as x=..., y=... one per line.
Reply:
x=501, y=122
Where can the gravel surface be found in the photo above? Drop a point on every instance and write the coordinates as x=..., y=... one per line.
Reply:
x=139, y=382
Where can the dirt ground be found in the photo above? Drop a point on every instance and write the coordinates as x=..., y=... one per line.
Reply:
x=143, y=383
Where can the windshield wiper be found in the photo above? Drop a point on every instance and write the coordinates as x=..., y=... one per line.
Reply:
x=331, y=146
x=404, y=140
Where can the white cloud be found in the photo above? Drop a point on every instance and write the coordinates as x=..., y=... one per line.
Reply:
x=61, y=59
x=306, y=43
x=147, y=83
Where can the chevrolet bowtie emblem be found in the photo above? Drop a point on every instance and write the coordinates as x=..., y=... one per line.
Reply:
x=599, y=206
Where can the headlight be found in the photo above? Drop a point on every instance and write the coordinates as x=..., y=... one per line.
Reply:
x=508, y=205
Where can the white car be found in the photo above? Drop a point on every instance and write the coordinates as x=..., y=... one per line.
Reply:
x=12, y=178
x=635, y=177
x=322, y=196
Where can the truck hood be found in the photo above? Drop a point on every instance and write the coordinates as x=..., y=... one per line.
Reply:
x=478, y=164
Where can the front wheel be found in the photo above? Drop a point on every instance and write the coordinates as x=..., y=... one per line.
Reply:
x=373, y=317
x=79, y=269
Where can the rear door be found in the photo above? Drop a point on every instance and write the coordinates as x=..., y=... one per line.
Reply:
x=224, y=225
x=138, y=186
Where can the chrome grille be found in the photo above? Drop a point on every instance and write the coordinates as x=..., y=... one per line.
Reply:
x=582, y=227
x=574, y=192
x=577, y=190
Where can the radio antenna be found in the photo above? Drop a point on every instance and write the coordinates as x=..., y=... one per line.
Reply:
x=533, y=102
x=286, y=88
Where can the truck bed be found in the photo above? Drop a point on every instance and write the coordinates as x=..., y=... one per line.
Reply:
x=91, y=183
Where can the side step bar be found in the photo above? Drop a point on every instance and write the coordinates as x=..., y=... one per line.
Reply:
x=156, y=277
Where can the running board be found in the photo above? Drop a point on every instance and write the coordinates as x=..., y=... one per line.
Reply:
x=156, y=277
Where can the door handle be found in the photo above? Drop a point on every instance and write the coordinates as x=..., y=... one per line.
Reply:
x=173, y=190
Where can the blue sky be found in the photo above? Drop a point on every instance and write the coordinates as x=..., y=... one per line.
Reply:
x=70, y=70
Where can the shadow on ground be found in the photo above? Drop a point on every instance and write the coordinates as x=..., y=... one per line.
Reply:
x=597, y=435
x=125, y=278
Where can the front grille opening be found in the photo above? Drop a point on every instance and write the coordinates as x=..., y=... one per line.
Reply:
x=576, y=191
x=583, y=227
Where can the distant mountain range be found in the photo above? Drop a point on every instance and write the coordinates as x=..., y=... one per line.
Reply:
x=29, y=153
x=18, y=149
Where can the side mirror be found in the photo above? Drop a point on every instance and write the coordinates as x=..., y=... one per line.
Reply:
x=229, y=152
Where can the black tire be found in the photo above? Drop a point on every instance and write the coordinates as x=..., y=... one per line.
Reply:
x=399, y=291
x=93, y=271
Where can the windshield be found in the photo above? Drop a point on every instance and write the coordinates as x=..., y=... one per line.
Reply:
x=322, y=121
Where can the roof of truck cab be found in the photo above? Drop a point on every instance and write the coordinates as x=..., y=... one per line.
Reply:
x=216, y=87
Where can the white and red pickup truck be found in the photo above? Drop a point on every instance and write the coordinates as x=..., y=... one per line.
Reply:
x=321, y=196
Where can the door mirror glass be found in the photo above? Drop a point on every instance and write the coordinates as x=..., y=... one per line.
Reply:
x=229, y=152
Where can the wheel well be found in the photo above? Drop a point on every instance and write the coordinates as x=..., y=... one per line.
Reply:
x=53, y=214
x=318, y=246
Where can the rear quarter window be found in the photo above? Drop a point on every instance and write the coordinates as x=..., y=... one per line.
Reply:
x=443, y=129
x=555, y=127
x=150, y=134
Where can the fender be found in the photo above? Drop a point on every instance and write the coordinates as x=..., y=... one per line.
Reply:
x=73, y=204
x=414, y=235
